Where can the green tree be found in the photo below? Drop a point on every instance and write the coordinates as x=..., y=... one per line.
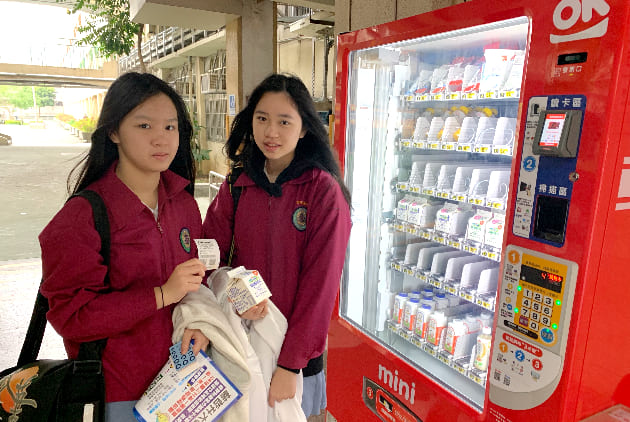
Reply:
x=22, y=96
x=109, y=28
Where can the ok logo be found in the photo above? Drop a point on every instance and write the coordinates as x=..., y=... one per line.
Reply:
x=576, y=9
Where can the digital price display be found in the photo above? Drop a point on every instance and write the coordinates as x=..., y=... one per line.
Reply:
x=540, y=278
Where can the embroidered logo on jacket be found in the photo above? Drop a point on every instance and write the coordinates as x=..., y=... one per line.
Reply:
x=13, y=391
x=184, y=239
x=299, y=218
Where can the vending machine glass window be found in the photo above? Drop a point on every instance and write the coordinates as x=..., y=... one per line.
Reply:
x=430, y=136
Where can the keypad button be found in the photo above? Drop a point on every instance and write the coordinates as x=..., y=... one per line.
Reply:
x=527, y=293
x=527, y=303
x=548, y=301
x=545, y=321
x=538, y=297
x=533, y=325
x=525, y=312
x=536, y=306
x=535, y=316
x=547, y=310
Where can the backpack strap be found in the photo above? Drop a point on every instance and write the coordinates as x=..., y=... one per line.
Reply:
x=34, y=335
x=235, y=191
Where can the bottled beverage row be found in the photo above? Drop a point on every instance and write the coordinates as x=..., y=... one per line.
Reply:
x=471, y=278
x=472, y=182
x=465, y=76
x=480, y=132
x=447, y=329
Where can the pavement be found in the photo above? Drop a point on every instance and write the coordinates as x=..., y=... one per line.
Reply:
x=33, y=172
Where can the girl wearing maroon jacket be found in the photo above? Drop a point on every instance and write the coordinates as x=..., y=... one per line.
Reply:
x=141, y=164
x=292, y=224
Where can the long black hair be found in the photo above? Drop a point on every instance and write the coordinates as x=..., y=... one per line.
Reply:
x=126, y=93
x=313, y=147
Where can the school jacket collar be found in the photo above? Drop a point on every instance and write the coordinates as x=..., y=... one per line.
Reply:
x=295, y=173
x=124, y=205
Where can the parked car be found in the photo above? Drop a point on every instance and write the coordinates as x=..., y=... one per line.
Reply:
x=5, y=139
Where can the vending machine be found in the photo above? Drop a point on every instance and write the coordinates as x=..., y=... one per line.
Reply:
x=487, y=150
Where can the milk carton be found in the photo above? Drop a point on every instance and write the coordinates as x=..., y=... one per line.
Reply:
x=476, y=229
x=246, y=288
x=494, y=231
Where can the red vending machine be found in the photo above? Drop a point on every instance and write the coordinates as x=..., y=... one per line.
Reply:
x=487, y=150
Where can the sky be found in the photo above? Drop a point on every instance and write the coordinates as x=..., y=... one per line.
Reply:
x=38, y=34
x=32, y=33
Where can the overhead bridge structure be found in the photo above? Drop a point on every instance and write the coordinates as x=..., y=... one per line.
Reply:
x=33, y=75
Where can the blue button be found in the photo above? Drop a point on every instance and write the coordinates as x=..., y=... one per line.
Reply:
x=520, y=356
x=547, y=335
x=509, y=306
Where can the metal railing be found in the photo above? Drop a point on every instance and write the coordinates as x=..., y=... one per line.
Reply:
x=214, y=183
x=160, y=45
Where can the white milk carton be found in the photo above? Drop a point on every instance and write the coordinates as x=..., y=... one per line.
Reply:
x=476, y=229
x=402, y=212
x=422, y=212
x=452, y=219
x=246, y=288
x=494, y=231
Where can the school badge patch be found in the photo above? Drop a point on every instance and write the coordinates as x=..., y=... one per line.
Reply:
x=184, y=239
x=299, y=218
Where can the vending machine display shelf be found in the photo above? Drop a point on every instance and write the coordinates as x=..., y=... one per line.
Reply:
x=457, y=242
x=487, y=149
x=485, y=300
x=461, y=365
x=465, y=96
x=492, y=204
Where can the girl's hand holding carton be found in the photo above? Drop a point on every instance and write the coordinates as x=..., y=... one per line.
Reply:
x=248, y=293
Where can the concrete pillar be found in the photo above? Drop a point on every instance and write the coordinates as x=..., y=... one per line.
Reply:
x=250, y=43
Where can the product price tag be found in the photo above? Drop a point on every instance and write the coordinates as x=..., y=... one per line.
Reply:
x=417, y=341
x=399, y=227
x=452, y=290
x=427, y=348
x=508, y=94
x=437, y=97
x=467, y=296
x=427, y=191
x=435, y=283
x=477, y=379
x=426, y=235
x=453, y=96
x=421, y=276
x=409, y=98
x=502, y=151
x=489, y=94
x=464, y=147
x=454, y=244
x=444, y=359
x=414, y=189
x=405, y=143
x=448, y=146
x=434, y=145
x=483, y=149
x=469, y=96
x=401, y=186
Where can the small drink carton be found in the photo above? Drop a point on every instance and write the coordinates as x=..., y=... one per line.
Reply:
x=246, y=288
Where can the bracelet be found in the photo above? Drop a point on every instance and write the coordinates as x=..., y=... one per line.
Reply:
x=162, y=294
